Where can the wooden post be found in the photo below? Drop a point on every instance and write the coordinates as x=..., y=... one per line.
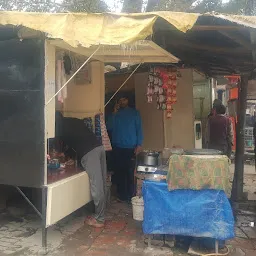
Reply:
x=238, y=182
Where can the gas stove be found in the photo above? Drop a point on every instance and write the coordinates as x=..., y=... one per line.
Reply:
x=146, y=169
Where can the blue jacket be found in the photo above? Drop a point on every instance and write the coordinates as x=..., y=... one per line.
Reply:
x=126, y=128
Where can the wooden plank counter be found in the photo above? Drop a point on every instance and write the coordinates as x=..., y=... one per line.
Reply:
x=53, y=177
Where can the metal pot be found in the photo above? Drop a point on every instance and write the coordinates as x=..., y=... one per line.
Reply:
x=148, y=158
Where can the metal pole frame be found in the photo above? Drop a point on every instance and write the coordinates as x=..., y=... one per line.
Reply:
x=41, y=215
x=216, y=246
x=237, y=186
x=44, y=214
x=29, y=202
x=123, y=84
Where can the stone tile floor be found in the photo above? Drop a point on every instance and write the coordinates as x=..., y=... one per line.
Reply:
x=122, y=236
x=20, y=235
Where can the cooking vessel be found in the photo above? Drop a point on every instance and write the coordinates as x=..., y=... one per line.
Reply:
x=148, y=158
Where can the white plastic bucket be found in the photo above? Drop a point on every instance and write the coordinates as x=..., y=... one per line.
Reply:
x=137, y=208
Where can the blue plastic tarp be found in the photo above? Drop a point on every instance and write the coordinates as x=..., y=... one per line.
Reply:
x=197, y=213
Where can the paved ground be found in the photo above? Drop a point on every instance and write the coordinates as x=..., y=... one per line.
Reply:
x=122, y=236
x=249, y=180
x=20, y=233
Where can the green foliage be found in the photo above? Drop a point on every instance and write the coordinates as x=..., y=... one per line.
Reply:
x=240, y=7
x=203, y=6
x=208, y=6
x=84, y=6
x=28, y=5
x=54, y=6
x=132, y=6
x=170, y=5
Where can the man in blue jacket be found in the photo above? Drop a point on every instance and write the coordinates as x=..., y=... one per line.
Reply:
x=126, y=128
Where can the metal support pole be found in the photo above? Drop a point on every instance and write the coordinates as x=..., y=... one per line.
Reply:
x=216, y=247
x=30, y=203
x=238, y=182
x=44, y=228
x=149, y=241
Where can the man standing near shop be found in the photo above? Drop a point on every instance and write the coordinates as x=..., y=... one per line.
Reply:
x=254, y=137
x=220, y=132
x=216, y=103
x=126, y=127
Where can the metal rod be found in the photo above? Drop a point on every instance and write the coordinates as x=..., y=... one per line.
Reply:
x=72, y=76
x=238, y=181
x=30, y=203
x=149, y=241
x=44, y=228
x=123, y=84
x=216, y=246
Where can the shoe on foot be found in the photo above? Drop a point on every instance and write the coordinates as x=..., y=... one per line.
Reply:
x=87, y=218
x=94, y=223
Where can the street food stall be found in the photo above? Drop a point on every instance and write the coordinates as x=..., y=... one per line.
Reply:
x=47, y=69
x=31, y=44
x=159, y=130
x=189, y=198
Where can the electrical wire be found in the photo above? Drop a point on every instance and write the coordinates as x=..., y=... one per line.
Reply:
x=123, y=84
x=217, y=254
x=210, y=254
x=87, y=60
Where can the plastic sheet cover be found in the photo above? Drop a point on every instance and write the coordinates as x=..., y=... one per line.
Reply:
x=197, y=213
x=87, y=29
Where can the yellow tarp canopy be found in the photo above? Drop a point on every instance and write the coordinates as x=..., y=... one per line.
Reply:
x=107, y=28
x=93, y=29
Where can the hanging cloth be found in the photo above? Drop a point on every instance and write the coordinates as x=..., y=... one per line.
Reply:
x=61, y=80
x=88, y=123
x=58, y=80
x=98, y=128
x=101, y=132
x=104, y=134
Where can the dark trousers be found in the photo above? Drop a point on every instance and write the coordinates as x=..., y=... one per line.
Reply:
x=255, y=155
x=123, y=165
